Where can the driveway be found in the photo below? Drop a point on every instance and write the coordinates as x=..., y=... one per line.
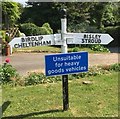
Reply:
x=27, y=62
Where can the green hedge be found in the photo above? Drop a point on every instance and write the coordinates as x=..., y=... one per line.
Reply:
x=8, y=73
x=30, y=29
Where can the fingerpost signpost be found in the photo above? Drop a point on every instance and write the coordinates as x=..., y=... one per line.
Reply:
x=64, y=50
x=63, y=63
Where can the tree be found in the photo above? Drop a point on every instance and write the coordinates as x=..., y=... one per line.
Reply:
x=80, y=14
x=96, y=13
x=42, y=12
x=10, y=13
x=104, y=14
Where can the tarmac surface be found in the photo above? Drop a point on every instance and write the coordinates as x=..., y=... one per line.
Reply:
x=30, y=62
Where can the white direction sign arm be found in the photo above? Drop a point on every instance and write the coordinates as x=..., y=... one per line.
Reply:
x=88, y=38
x=32, y=41
x=55, y=39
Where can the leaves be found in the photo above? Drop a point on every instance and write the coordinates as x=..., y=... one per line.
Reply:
x=7, y=72
x=10, y=12
x=32, y=29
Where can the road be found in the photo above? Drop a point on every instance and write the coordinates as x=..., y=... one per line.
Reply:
x=29, y=62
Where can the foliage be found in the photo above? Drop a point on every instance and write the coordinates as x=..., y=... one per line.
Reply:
x=103, y=14
x=28, y=28
x=34, y=78
x=111, y=14
x=10, y=13
x=39, y=78
x=99, y=70
x=8, y=73
x=56, y=49
x=47, y=26
x=43, y=31
x=81, y=27
x=93, y=29
x=39, y=13
x=99, y=48
x=78, y=13
x=31, y=29
x=75, y=49
x=93, y=71
x=2, y=35
x=115, y=67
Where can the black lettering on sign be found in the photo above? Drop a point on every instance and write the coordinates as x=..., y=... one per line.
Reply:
x=23, y=39
x=16, y=46
x=24, y=45
x=31, y=44
x=99, y=36
x=90, y=36
x=20, y=45
x=40, y=37
x=48, y=42
x=28, y=39
x=82, y=40
x=33, y=39
x=85, y=36
x=99, y=40
x=91, y=39
x=36, y=43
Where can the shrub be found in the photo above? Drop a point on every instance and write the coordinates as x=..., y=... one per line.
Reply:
x=99, y=48
x=47, y=26
x=8, y=73
x=31, y=29
x=93, y=71
x=28, y=28
x=115, y=67
x=34, y=78
x=75, y=49
x=39, y=78
x=43, y=31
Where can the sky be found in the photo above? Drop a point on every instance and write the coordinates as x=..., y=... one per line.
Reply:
x=20, y=1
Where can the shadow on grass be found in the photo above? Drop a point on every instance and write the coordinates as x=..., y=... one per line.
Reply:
x=31, y=114
x=4, y=106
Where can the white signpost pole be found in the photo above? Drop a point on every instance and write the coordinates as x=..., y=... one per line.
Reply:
x=64, y=50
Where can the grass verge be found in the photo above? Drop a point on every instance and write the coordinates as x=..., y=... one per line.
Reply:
x=52, y=49
x=100, y=99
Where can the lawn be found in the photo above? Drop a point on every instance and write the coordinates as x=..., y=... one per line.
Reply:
x=52, y=49
x=100, y=99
